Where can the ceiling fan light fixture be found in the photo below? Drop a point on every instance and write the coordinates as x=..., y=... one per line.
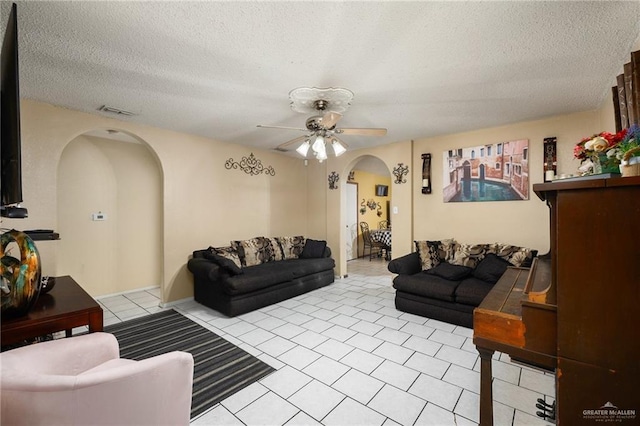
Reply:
x=319, y=144
x=322, y=154
x=304, y=148
x=338, y=148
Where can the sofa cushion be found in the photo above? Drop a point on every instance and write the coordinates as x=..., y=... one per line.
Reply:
x=225, y=257
x=255, y=251
x=433, y=252
x=291, y=246
x=276, y=250
x=469, y=254
x=271, y=273
x=313, y=249
x=423, y=284
x=447, y=249
x=472, y=291
x=517, y=256
x=491, y=268
x=450, y=272
x=408, y=264
x=429, y=253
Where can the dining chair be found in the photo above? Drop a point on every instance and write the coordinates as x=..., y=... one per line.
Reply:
x=369, y=242
x=384, y=224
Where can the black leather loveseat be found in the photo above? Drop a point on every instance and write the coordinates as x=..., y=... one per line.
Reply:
x=446, y=281
x=251, y=274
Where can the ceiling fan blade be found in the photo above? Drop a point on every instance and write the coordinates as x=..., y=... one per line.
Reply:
x=362, y=132
x=292, y=141
x=282, y=127
x=330, y=118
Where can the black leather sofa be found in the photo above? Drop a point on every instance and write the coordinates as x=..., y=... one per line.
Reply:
x=446, y=291
x=237, y=290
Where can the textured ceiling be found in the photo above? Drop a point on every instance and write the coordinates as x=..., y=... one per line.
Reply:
x=420, y=69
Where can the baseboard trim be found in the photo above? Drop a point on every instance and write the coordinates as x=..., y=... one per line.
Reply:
x=176, y=302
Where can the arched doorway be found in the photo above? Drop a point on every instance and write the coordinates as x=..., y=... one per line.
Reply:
x=364, y=175
x=109, y=192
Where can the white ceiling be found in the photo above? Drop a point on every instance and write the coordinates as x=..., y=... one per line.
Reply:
x=420, y=69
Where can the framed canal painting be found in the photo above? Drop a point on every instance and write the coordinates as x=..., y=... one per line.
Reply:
x=493, y=172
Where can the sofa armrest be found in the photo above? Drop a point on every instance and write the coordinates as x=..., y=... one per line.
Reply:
x=69, y=356
x=199, y=254
x=406, y=265
x=204, y=269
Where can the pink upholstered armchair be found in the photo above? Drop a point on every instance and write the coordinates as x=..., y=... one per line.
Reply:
x=82, y=381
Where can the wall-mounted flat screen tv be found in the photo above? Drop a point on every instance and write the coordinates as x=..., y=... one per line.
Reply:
x=10, y=150
x=382, y=190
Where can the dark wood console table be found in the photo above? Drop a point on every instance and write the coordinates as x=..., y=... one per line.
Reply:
x=66, y=306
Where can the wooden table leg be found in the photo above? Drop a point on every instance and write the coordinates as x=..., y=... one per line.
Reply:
x=95, y=322
x=486, y=389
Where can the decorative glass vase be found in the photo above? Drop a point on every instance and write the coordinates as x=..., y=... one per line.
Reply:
x=597, y=165
x=21, y=282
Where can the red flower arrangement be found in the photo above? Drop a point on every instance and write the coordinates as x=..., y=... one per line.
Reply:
x=596, y=144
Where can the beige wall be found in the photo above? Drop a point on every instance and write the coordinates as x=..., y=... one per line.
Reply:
x=203, y=202
x=423, y=216
x=523, y=223
x=122, y=180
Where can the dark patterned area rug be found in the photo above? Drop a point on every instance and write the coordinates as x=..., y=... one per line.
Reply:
x=220, y=368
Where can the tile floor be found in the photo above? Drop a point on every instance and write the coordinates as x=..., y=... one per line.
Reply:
x=345, y=356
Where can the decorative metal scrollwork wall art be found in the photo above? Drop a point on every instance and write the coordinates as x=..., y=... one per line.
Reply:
x=371, y=204
x=352, y=176
x=333, y=180
x=400, y=172
x=250, y=165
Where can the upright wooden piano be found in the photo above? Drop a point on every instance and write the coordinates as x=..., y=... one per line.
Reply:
x=577, y=310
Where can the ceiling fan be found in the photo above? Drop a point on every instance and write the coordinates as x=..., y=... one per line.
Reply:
x=321, y=128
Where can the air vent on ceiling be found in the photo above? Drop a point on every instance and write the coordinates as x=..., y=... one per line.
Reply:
x=114, y=110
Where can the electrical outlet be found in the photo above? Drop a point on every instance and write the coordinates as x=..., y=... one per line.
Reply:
x=98, y=216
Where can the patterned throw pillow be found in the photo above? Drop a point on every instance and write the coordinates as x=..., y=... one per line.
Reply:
x=447, y=249
x=429, y=252
x=469, y=254
x=291, y=246
x=276, y=249
x=255, y=251
x=512, y=254
x=432, y=253
x=228, y=253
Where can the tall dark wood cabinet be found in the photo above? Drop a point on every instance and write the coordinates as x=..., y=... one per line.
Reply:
x=595, y=269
